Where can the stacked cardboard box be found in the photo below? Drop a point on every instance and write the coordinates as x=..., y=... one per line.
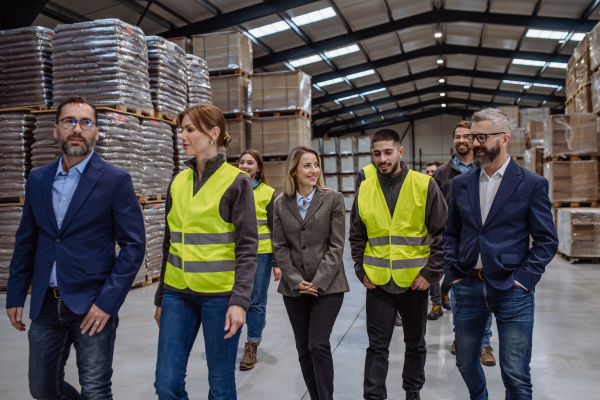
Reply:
x=348, y=201
x=575, y=134
x=572, y=181
x=512, y=112
x=274, y=171
x=232, y=94
x=363, y=145
x=331, y=146
x=362, y=161
x=277, y=136
x=332, y=182
x=536, y=131
x=225, y=51
x=537, y=114
x=239, y=130
x=277, y=91
x=317, y=144
x=579, y=232
x=517, y=144
x=534, y=160
x=347, y=145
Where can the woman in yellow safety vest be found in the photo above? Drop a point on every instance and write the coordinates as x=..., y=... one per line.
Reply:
x=251, y=162
x=209, y=259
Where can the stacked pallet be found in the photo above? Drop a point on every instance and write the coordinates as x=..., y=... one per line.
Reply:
x=45, y=147
x=154, y=220
x=579, y=232
x=10, y=217
x=582, y=81
x=198, y=79
x=16, y=139
x=158, y=159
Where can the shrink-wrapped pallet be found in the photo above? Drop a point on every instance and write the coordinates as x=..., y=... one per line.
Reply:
x=232, y=94
x=154, y=220
x=16, y=138
x=331, y=146
x=570, y=83
x=517, y=144
x=11, y=218
x=536, y=131
x=179, y=156
x=332, y=182
x=534, y=160
x=26, y=67
x=347, y=164
x=538, y=113
x=347, y=145
x=594, y=39
x=199, y=91
x=362, y=161
x=512, y=112
x=331, y=164
x=277, y=91
x=583, y=101
x=185, y=43
x=578, y=232
x=574, y=134
x=104, y=61
x=572, y=181
x=277, y=136
x=317, y=145
x=239, y=130
x=348, y=201
x=583, y=70
x=595, y=88
x=348, y=183
x=45, y=147
x=570, y=107
x=363, y=144
x=224, y=51
x=157, y=156
x=274, y=171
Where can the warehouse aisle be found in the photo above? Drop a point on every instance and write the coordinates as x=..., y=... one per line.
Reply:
x=565, y=357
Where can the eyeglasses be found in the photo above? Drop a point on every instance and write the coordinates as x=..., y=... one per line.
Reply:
x=481, y=137
x=86, y=124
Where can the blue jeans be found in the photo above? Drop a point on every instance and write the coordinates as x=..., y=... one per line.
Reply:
x=50, y=338
x=180, y=319
x=257, y=311
x=514, y=310
x=488, y=327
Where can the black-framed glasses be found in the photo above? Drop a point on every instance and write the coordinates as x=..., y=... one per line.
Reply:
x=69, y=123
x=481, y=137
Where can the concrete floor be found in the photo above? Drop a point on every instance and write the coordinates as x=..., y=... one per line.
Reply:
x=565, y=364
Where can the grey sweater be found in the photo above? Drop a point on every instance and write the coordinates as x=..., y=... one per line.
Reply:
x=436, y=213
x=237, y=207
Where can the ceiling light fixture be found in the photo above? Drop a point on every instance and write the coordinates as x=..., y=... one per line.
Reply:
x=442, y=94
x=440, y=61
x=442, y=80
x=438, y=35
x=443, y=105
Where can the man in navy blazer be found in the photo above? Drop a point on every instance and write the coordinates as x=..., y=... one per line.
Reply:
x=494, y=208
x=76, y=209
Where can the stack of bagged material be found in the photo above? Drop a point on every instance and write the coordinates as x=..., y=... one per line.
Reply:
x=154, y=219
x=158, y=156
x=578, y=232
x=105, y=61
x=16, y=138
x=168, y=76
x=26, y=67
x=46, y=148
x=179, y=152
x=121, y=143
x=10, y=217
x=199, y=91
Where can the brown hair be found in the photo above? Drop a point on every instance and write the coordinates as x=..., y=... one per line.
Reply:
x=75, y=100
x=289, y=181
x=430, y=163
x=461, y=124
x=259, y=160
x=206, y=117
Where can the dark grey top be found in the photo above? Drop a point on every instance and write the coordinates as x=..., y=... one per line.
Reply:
x=237, y=207
x=443, y=177
x=436, y=213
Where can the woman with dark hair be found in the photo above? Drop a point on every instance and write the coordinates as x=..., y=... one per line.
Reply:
x=309, y=236
x=251, y=162
x=209, y=260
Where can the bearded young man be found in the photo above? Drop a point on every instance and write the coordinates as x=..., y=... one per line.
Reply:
x=494, y=208
x=76, y=209
x=396, y=226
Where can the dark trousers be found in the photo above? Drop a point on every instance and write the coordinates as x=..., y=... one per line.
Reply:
x=312, y=320
x=435, y=292
x=50, y=338
x=381, y=318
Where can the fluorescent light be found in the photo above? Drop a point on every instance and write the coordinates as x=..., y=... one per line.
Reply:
x=516, y=83
x=557, y=65
x=578, y=37
x=361, y=74
x=546, y=34
x=443, y=105
x=269, y=29
x=306, y=60
x=330, y=82
x=373, y=91
x=440, y=61
x=545, y=85
x=442, y=80
x=438, y=35
x=532, y=63
x=342, y=51
x=442, y=94
x=347, y=97
x=314, y=16
x=526, y=87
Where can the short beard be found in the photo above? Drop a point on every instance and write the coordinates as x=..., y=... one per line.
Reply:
x=464, y=153
x=488, y=157
x=77, y=151
x=394, y=169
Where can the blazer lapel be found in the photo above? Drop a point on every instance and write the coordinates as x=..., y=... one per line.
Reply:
x=314, y=205
x=473, y=189
x=293, y=206
x=511, y=179
x=47, y=181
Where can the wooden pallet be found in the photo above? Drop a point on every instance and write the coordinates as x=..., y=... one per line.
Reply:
x=569, y=101
x=147, y=198
x=237, y=116
x=147, y=281
x=6, y=201
x=144, y=115
x=230, y=72
x=517, y=158
x=572, y=204
x=571, y=158
x=579, y=260
x=283, y=113
x=582, y=88
x=167, y=117
x=281, y=157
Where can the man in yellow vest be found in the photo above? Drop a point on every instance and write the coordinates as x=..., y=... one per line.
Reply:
x=396, y=227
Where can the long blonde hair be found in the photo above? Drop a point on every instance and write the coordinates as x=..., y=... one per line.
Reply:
x=290, y=185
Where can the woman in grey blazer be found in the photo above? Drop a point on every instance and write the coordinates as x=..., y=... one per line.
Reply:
x=308, y=242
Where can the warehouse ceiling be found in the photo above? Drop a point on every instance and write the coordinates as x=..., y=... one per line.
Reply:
x=374, y=62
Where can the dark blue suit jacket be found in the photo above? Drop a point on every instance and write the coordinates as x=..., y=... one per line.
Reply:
x=521, y=208
x=104, y=210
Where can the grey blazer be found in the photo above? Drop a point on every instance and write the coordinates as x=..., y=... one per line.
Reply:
x=311, y=249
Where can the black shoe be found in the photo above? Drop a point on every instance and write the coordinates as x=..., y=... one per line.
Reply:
x=398, y=320
x=446, y=302
x=436, y=312
x=413, y=396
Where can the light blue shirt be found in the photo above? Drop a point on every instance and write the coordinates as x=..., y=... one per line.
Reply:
x=462, y=166
x=300, y=199
x=255, y=183
x=63, y=188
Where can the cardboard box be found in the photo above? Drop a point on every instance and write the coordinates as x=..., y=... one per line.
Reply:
x=317, y=144
x=330, y=164
x=331, y=146
x=347, y=145
x=224, y=51
x=595, y=88
x=278, y=136
x=274, y=171
x=348, y=183
x=512, y=112
x=582, y=71
x=578, y=232
x=594, y=38
x=185, y=43
x=534, y=160
x=232, y=94
x=583, y=101
x=363, y=161
x=363, y=144
x=276, y=91
x=570, y=107
x=348, y=201
x=239, y=130
x=517, y=144
x=574, y=134
x=332, y=182
x=572, y=181
x=536, y=131
x=347, y=164
x=538, y=113
x=570, y=85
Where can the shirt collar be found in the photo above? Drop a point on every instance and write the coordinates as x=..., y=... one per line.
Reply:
x=500, y=172
x=79, y=167
x=458, y=162
x=255, y=183
x=308, y=198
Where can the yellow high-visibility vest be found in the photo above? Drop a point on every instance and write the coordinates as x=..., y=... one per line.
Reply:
x=370, y=171
x=262, y=197
x=202, y=252
x=398, y=247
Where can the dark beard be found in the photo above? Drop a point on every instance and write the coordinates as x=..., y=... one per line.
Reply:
x=464, y=153
x=77, y=151
x=487, y=158
x=394, y=170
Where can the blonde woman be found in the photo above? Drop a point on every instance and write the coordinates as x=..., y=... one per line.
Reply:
x=308, y=241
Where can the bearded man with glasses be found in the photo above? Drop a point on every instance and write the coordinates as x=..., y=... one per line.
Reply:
x=76, y=209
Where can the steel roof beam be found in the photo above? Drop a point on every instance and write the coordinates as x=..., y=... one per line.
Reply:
x=19, y=13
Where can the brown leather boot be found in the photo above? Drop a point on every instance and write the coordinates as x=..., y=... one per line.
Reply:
x=453, y=348
x=249, y=358
x=487, y=357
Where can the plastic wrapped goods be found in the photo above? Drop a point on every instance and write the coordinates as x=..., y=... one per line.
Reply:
x=347, y=164
x=539, y=113
x=347, y=145
x=517, y=144
x=232, y=94
x=332, y=182
x=594, y=38
x=570, y=106
x=168, y=76
x=277, y=136
x=512, y=112
x=331, y=146
x=348, y=183
x=536, y=131
x=185, y=43
x=104, y=61
x=348, y=201
x=157, y=155
x=199, y=91
x=595, y=88
x=583, y=101
x=362, y=161
x=583, y=71
x=330, y=164
x=154, y=220
x=534, y=160
x=121, y=143
x=26, y=67
x=224, y=50
x=574, y=134
x=363, y=144
x=274, y=171
x=11, y=218
x=570, y=85
x=289, y=90
x=239, y=130
x=179, y=152
x=578, y=232
x=572, y=181
x=317, y=145
x=16, y=138
x=45, y=148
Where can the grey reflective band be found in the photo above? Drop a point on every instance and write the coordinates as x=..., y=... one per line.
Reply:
x=379, y=241
x=209, y=266
x=400, y=241
x=174, y=260
x=262, y=222
x=411, y=263
x=376, y=262
x=176, y=237
x=263, y=236
x=209, y=238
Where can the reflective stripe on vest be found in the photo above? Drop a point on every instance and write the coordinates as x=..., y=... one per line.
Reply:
x=262, y=197
x=370, y=171
x=398, y=246
x=202, y=252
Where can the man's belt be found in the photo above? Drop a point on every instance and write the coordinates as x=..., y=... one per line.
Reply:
x=478, y=273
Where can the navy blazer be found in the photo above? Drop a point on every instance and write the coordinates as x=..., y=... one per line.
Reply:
x=521, y=208
x=104, y=211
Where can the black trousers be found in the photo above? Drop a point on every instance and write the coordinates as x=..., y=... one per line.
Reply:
x=312, y=320
x=381, y=317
